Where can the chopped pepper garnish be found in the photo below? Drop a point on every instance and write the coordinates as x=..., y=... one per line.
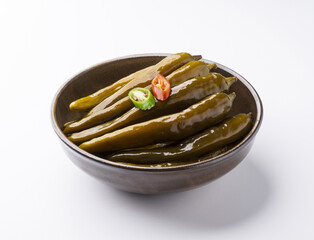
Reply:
x=142, y=98
x=161, y=87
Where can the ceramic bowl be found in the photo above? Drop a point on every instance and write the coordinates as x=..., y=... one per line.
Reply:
x=140, y=179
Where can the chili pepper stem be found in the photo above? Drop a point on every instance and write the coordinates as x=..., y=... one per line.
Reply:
x=231, y=80
x=197, y=57
x=212, y=66
x=232, y=96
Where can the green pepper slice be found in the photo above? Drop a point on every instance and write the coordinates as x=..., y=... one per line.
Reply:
x=142, y=98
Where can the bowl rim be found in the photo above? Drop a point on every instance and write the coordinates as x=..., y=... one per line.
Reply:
x=210, y=161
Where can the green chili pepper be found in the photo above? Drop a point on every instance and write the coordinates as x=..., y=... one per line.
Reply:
x=142, y=98
x=189, y=70
x=229, y=131
x=182, y=96
x=167, y=128
x=172, y=164
x=88, y=102
x=165, y=67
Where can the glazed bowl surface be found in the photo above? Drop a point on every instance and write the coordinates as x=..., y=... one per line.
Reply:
x=144, y=179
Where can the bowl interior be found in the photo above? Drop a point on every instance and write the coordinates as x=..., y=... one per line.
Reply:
x=106, y=73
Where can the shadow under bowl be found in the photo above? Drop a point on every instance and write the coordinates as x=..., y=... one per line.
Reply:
x=141, y=179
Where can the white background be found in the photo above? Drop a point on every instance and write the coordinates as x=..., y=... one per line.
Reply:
x=270, y=195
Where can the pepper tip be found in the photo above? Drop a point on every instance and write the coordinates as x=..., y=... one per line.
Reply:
x=231, y=80
x=232, y=96
x=212, y=66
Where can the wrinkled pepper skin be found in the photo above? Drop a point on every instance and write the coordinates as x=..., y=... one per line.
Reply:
x=164, y=67
x=88, y=102
x=189, y=70
x=182, y=96
x=229, y=131
x=167, y=128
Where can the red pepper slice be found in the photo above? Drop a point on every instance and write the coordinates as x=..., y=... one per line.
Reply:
x=161, y=87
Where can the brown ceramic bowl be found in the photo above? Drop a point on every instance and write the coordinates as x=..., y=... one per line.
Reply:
x=146, y=180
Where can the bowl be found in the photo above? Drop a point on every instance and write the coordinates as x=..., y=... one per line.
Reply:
x=142, y=179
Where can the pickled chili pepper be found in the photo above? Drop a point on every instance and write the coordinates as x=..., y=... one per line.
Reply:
x=142, y=98
x=189, y=70
x=161, y=87
x=88, y=102
x=182, y=96
x=229, y=131
x=165, y=66
x=167, y=128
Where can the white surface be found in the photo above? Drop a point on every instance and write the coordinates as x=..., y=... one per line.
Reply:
x=268, y=196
